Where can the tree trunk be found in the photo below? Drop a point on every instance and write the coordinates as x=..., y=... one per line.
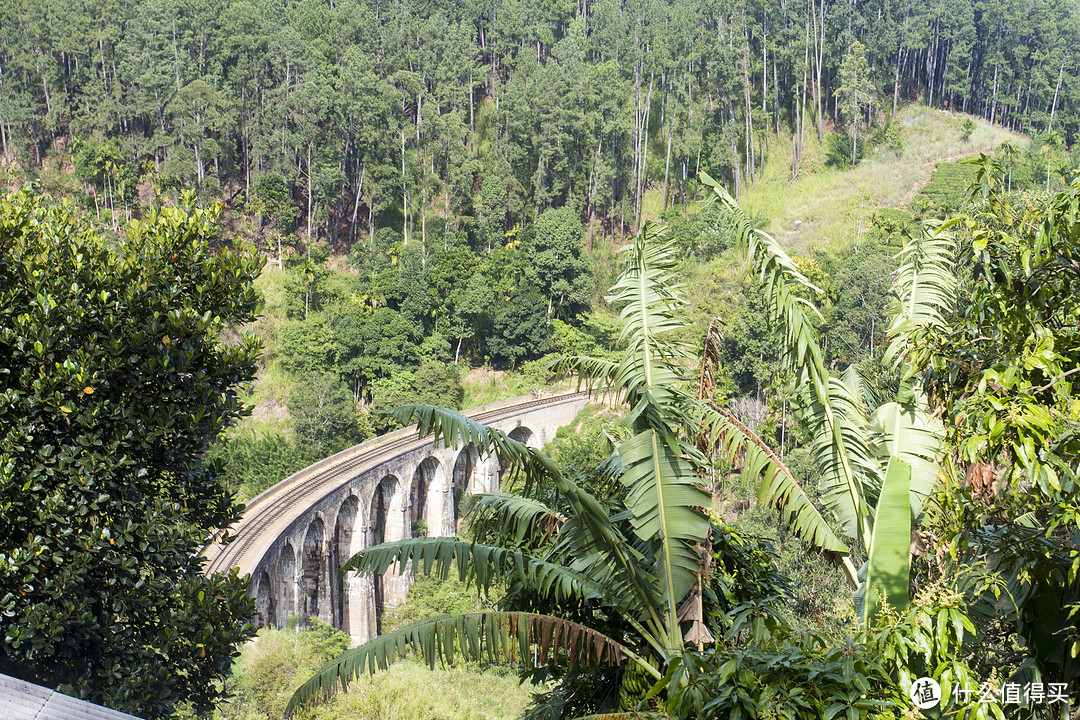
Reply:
x=896, y=78
x=247, y=147
x=667, y=163
x=749, y=123
x=594, y=176
x=682, y=187
x=819, y=48
x=993, y=106
x=806, y=70
x=1057, y=90
x=738, y=172
x=644, y=153
x=776, y=94
x=765, y=66
x=356, y=204
x=931, y=69
x=638, y=112
x=309, y=195
x=404, y=193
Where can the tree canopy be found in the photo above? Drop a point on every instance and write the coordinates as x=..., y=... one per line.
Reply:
x=113, y=382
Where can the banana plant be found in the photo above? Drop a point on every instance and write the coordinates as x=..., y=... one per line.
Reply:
x=876, y=465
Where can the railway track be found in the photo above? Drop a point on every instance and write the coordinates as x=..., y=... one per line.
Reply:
x=270, y=513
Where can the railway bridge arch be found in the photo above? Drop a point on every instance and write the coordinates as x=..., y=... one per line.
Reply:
x=294, y=537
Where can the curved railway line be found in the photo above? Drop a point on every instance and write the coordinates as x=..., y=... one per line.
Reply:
x=270, y=513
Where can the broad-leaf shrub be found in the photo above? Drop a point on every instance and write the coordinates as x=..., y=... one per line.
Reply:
x=765, y=667
x=113, y=383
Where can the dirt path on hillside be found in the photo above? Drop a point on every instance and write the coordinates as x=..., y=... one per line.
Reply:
x=924, y=175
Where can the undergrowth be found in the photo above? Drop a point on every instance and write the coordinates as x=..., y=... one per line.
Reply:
x=270, y=668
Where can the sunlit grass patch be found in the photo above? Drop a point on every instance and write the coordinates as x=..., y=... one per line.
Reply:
x=409, y=690
x=822, y=207
x=486, y=385
x=651, y=202
x=269, y=669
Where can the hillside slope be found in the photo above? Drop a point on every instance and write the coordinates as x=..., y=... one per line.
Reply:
x=823, y=206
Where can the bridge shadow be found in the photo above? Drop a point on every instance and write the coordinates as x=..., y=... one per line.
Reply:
x=340, y=551
x=429, y=474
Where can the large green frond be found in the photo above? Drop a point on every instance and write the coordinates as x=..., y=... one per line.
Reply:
x=862, y=389
x=485, y=562
x=792, y=314
x=455, y=430
x=924, y=286
x=605, y=555
x=664, y=498
x=646, y=292
x=889, y=561
x=525, y=639
x=844, y=455
x=909, y=433
x=650, y=313
x=510, y=519
x=777, y=487
x=587, y=531
x=593, y=372
x=840, y=442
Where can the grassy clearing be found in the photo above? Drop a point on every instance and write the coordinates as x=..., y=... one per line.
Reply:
x=651, y=202
x=824, y=205
x=269, y=669
x=271, y=384
x=484, y=385
x=409, y=690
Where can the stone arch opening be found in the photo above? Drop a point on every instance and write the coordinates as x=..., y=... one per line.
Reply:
x=286, y=605
x=311, y=568
x=379, y=512
x=378, y=521
x=522, y=434
x=264, y=601
x=341, y=549
x=427, y=474
x=461, y=484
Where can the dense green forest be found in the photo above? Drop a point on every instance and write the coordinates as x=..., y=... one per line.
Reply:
x=474, y=117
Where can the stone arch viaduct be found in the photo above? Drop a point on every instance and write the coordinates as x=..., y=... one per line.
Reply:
x=294, y=537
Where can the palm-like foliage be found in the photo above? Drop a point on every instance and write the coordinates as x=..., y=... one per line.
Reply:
x=777, y=487
x=876, y=467
x=663, y=495
x=924, y=288
x=1008, y=154
x=801, y=354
